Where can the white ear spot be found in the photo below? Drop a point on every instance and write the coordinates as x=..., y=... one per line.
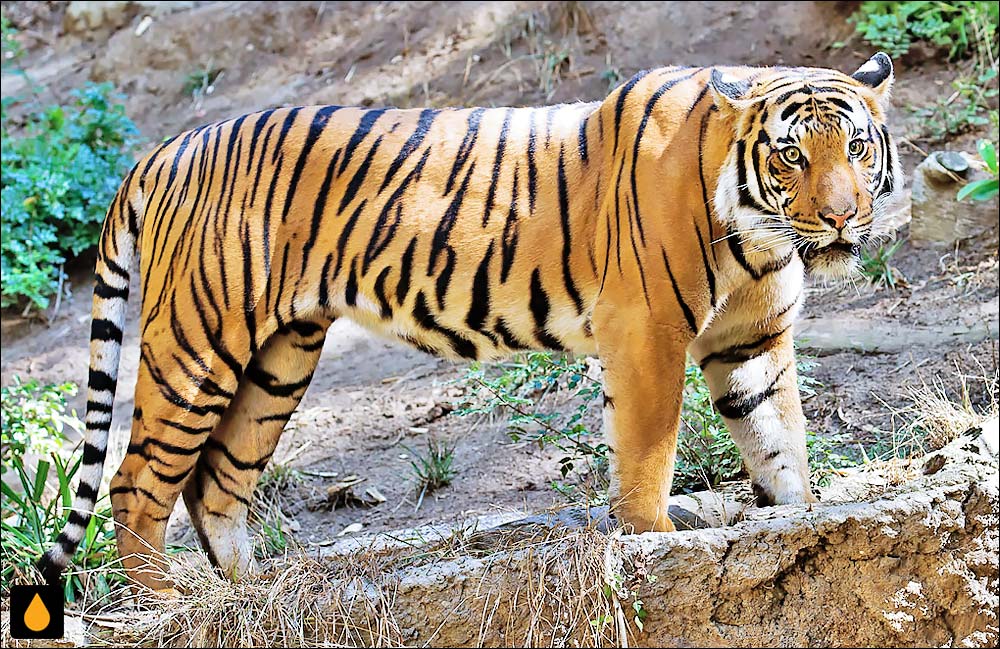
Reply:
x=870, y=66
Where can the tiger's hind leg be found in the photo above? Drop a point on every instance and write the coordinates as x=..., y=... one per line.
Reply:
x=219, y=495
x=179, y=398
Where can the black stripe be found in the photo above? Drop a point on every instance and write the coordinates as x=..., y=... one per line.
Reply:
x=510, y=340
x=105, y=291
x=688, y=315
x=424, y=123
x=581, y=140
x=170, y=479
x=324, y=283
x=184, y=428
x=319, y=211
x=620, y=102
x=368, y=119
x=479, y=306
x=638, y=139
x=743, y=352
x=209, y=470
x=443, y=231
x=508, y=242
x=100, y=381
x=444, y=279
x=382, y=234
x=359, y=176
x=532, y=170
x=734, y=405
x=497, y=162
x=403, y=285
x=258, y=128
x=272, y=385
x=351, y=291
x=92, y=454
x=86, y=492
x=78, y=518
x=539, y=305
x=567, y=244
x=385, y=310
x=241, y=465
x=345, y=235
x=464, y=149
x=97, y=406
x=101, y=329
x=461, y=345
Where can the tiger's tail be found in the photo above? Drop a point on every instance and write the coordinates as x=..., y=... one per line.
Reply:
x=116, y=252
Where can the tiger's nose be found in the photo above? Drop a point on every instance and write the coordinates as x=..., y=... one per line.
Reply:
x=836, y=218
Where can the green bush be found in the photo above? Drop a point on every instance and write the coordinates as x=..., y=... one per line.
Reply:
x=61, y=170
x=36, y=504
x=33, y=417
x=894, y=26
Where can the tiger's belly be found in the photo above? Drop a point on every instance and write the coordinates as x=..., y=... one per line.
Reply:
x=502, y=331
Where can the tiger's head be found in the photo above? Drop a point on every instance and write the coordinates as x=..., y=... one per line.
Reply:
x=812, y=165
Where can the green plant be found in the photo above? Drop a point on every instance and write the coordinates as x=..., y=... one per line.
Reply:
x=33, y=418
x=895, y=26
x=60, y=172
x=706, y=454
x=199, y=82
x=432, y=469
x=520, y=388
x=877, y=268
x=966, y=108
x=827, y=456
x=986, y=188
x=36, y=504
x=32, y=518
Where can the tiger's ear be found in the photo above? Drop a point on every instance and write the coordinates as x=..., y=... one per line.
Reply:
x=876, y=73
x=730, y=93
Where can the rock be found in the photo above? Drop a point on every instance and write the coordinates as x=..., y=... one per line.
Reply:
x=86, y=18
x=937, y=216
x=897, y=554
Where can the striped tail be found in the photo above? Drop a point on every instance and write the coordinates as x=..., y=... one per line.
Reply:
x=116, y=251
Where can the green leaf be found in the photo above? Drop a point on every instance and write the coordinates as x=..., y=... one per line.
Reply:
x=979, y=190
x=989, y=155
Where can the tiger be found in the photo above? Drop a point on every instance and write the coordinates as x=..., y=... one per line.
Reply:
x=679, y=216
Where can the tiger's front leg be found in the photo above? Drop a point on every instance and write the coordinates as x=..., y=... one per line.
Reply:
x=643, y=366
x=750, y=371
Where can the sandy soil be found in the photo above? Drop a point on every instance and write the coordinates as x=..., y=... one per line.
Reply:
x=371, y=399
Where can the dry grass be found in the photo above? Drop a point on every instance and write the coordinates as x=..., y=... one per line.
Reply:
x=534, y=587
x=940, y=418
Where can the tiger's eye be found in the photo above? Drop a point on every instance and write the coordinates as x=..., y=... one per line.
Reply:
x=856, y=148
x=791, y=154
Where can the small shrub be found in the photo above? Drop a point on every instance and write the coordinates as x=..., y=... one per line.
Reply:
x=33, y=418
x=987, y=188
x=200, y=82
x=35, y=511
x=60, y=172
x=877, y=267
x=706, y=454
x=432, y=469
x=968, y=107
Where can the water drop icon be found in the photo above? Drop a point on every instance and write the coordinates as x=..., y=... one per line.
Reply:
x=37, y=617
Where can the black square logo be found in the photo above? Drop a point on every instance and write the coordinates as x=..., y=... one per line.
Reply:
x=36, y=612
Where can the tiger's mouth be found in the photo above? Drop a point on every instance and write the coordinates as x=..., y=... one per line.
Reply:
x=835, y=260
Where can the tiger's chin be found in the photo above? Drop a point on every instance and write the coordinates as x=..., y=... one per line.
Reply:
x=838, y=260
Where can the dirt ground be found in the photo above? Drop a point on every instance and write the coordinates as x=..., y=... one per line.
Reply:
x=371, y=399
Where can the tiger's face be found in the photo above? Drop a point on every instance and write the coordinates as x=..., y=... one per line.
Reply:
x=813, y=166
